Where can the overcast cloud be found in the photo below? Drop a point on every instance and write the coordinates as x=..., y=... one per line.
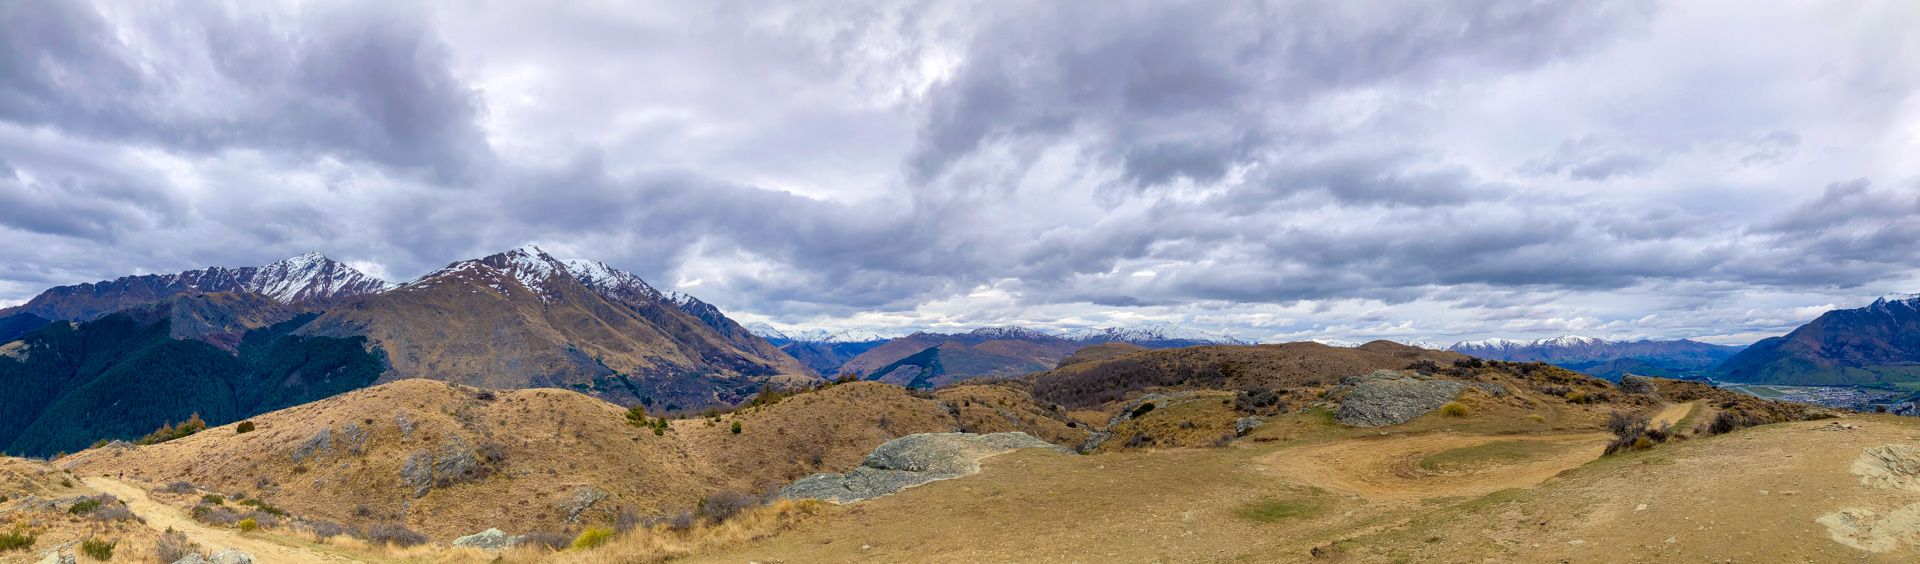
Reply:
x=1279, y=170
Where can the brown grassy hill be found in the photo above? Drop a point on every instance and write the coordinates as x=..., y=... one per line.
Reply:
x=520, y=320
x=1290, y=365
x=528, y=453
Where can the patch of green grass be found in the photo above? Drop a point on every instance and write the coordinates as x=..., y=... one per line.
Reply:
x=1271, y=510
x=15, y=541
x=1685, y=424
x=1498, y=452
x=97, y=549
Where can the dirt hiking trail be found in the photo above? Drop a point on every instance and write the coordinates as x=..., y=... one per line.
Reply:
x=160, y=517
x=1389, y=468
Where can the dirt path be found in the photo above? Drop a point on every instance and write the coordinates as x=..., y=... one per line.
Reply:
x=161, y=517
x=1671, y=414
x=1390, y=467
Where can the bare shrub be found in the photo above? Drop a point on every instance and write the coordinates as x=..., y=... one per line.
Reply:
x=181, y=488
x=722, y=506
x=396, y=534
x=549, y=540
x=1139, y=440
x=174, y=546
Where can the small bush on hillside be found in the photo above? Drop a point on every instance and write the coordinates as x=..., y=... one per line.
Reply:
x=264, y=507
x=248, y=525
x=324, y=529
x=1579, y=397
x=181, y=488
x=214, y=515
x=637, y=415
x=168, y=432
x=736, y=427
x=174, y=546
x=1424, y=367
x=113, y=513
x=1255, y=400
x=16, y=541
x=1142, y=409
x=723, y=506
x=1454, y=409
x=261, y=519
x=65, y=483
x=1139, y=440
x=97, y=549
x=213, y=498
x=85, y=506
x=244, y=427
x=395, y=534
x=1469, y=362
x=547, y=539
x=591, y=538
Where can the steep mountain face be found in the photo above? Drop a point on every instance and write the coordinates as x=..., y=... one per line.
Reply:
x=311, y=277
x=118, y=377
x=952, y=362
x=1877, y=343
x=1152, y=336
x=522, y=319
x=825, y=352
x=13, y=326
x=1001, y=349
x=1598, y=356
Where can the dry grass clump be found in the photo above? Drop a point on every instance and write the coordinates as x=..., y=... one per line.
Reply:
x=1455, y=409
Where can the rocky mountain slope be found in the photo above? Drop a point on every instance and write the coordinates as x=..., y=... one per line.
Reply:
x=522, y=319
x=823, y=351
x=307, y=278
x=1598, y=356
x=1877, y=343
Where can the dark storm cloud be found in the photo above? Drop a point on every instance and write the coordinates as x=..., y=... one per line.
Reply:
x=363, y=80
x=1189, y=90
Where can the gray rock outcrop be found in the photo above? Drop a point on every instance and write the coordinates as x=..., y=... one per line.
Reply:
x=583, y=498
x=1387, y=397
x=320, y=442
x=910, y=461
x=454, y=462
x=57, y=558
x=490, y=540
x=192, y=559
x=1246, y=425
x=1636, y=384
x=230, y=557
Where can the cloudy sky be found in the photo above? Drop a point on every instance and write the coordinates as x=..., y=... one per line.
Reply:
x=1279, y=170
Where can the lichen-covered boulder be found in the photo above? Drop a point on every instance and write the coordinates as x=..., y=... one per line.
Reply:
x=491, y=540
x=910, y=461
x=1385, y=397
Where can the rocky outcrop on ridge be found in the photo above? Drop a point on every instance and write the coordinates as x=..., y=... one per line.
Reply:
x=910, y=461
x=1388, y=397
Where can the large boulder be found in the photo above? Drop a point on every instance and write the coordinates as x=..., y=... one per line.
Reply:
x=192, y=559
x=1386, y=397
x=1637, y=384
x=490, y=540
x=230, y=557
x=57, y=558
x=910, y=461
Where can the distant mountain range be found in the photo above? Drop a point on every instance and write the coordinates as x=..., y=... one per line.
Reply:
x=925, y=359
x=1879, y=343
x=1603, y=358
x=141, y=351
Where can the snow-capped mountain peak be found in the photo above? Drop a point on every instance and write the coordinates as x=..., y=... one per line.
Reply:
x=1149, y=333
x=1010, y=332
x=765, y=331
x=610, y=281
x=308, y=276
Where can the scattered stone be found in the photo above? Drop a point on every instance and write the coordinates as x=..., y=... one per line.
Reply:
x=1642, y=507
x=1247, y=424
x=318, y=443
x=1387, y=397
x=1576, y=542
x=1837, y=426
x=1671, y=540
x=231, y=557
x=490, y=540
x=911, y=461
x=583, y=498
x=192, y=559
x=120, y=444
x=57, y=558
x=355, y=437
x=406, y=425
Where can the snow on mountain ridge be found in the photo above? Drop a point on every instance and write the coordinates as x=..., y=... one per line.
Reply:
x=1148, y=332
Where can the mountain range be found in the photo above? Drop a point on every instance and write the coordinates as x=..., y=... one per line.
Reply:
x=1607, y=359
x=1879, y=343
x=926, y=359
x=139, y=352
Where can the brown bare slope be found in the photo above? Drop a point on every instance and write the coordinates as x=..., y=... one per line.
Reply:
x=520, y=320
x=1017, y=344
x=533, y=451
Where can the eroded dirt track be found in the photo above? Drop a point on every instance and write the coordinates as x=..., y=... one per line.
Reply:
x=1390, y=467
x=161, y=517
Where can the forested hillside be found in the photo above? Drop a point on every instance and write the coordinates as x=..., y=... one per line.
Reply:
x=116, y=378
